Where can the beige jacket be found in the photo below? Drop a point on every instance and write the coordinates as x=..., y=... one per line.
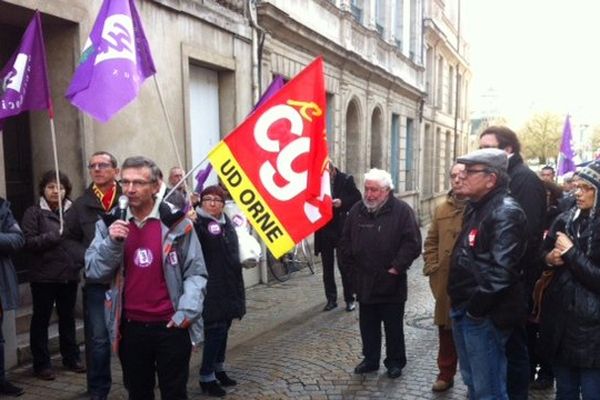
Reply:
x=442, y=235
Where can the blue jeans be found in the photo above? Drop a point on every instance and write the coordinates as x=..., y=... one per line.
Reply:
x=213, y=351
x=570, y=381
x=97, y=340
x=481, y=355
x=2, y=373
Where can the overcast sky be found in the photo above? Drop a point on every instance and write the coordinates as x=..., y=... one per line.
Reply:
x=535, y=55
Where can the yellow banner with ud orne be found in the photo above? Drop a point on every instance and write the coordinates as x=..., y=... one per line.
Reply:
x=249, y=200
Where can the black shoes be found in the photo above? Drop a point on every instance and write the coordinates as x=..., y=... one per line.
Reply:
x=45, y=374
x=365, y=367
x=213, y=389
x=8, y=389
x=75, y=366
x=394, y=372
x=330, y=305
x=224, y=380
x=350, y=306
x=542, y=384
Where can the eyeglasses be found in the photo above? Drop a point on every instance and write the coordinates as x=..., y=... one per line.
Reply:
x=583, y=188
x=135, y=183
x=100, y=165
x=468, y=172
x=212, y=199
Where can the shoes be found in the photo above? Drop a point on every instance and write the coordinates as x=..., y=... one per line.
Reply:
x=542, y=384
x=441, y=385
x=394, y=372
x=75, y=366
x=45, y=374
x=213, y=389
x=365, y=367
x=224, y=380
x=8, y=389
x=350, y=306
x=97, y=397
x=330, y=305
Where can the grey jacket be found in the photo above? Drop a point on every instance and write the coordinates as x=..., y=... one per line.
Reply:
x=183, y=266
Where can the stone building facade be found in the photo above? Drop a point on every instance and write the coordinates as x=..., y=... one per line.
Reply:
x=391, y=103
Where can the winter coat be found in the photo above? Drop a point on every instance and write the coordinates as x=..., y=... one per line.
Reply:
x=48, y=258
x=443, y=232
x=225, y=293
x=484, y=273
x=183, y=267
x=570, y=319
x=80, y=225
x=373, y=242
x=343, y=188
x=529, y=191
x=11, y=241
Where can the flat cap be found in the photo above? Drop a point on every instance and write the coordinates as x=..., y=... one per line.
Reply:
x=494, y=158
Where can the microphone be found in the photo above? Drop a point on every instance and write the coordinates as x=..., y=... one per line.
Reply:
x=123, y=203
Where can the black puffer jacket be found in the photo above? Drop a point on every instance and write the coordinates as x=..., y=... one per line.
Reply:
x=372, y=243
x=11, y=241
x=484, y=273
x=49, y=260
x=225, y=294
x=570, y=327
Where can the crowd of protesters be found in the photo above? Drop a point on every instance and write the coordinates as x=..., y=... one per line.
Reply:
x=513, y=261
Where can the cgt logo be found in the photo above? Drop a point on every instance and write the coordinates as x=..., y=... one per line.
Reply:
x=14, y=79
x=294, y=182
x=117, y=39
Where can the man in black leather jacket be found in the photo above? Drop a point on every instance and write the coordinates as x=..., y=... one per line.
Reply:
x=486, y=292
x=527, y=188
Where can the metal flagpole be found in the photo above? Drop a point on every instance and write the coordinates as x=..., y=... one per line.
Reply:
x=55, y=154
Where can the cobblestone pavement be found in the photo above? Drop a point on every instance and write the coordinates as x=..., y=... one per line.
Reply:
x=286, y=348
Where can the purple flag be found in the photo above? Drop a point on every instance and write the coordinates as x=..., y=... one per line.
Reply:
x=565, y=158
x=114, y=63
x=24, y=81
x=273, y=88
x=201, y=177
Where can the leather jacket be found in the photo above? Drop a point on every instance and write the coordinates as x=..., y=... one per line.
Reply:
x=484, y=274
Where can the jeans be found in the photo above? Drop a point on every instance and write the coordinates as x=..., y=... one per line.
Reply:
x=213, y=351
x=518, y=369
x=327, y=259
x=571, y=381
x=97, y=340
x=44, y=296
x=481, y=349
x=2, y=371
x=149, y=349
x=370, y=318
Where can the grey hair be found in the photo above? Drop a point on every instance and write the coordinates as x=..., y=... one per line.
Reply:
x=141, y=162
x=383, y=177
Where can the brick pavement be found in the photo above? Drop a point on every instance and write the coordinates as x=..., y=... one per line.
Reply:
x=286, y=348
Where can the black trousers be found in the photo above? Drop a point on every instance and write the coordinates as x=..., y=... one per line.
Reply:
x=44, y=296
x=327, y=258
x=147, y=349
x=370, y=318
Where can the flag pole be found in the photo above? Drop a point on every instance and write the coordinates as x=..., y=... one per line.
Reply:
x=187, y=175
x=171, y=134
x=55, y=154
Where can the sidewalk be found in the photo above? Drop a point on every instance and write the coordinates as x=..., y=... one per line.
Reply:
x=269, y=307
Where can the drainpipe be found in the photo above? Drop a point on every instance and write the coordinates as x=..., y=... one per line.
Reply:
x=457, y=99
x=258, y=38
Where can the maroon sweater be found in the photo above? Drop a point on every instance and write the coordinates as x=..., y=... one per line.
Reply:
x=146, y=297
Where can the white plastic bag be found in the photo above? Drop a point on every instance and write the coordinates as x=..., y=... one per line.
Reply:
x=249, y=247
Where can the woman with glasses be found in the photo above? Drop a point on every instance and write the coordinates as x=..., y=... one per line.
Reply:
x=570, y=318
x=225, y=296
x=53, y=276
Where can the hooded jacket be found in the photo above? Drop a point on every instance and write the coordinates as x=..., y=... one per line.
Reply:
x=183, y=266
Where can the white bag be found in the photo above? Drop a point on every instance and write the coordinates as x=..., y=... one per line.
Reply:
x=249, y=247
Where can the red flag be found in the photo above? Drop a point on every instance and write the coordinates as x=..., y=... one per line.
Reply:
x=275, y=163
